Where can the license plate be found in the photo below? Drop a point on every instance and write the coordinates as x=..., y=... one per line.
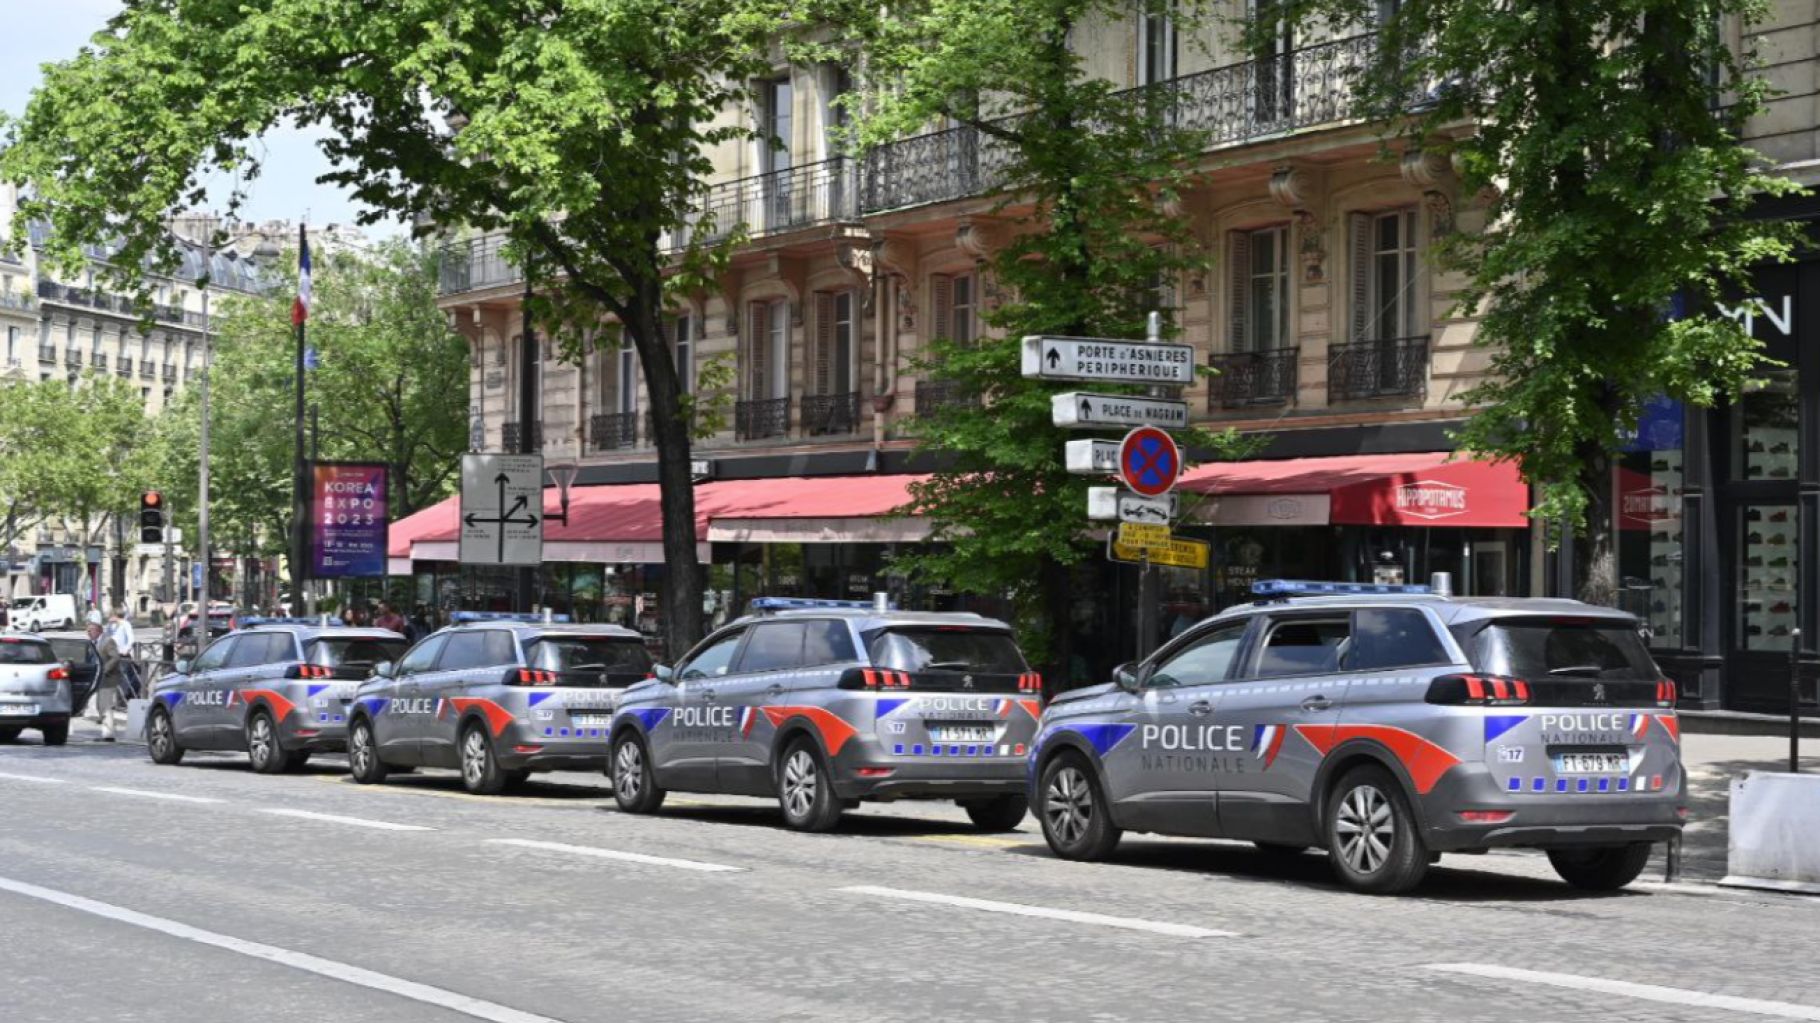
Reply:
x=962, y=733
x=586, y=719
x=1591, y=763
x=18, y=709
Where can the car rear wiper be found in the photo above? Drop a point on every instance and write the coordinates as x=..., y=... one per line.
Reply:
x=947, y=666
x=1578, y=669
x=586, y=667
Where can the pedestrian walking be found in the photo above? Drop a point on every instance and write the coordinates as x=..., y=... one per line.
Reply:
x=110, y=681
x=389, y=618
x=121, y=627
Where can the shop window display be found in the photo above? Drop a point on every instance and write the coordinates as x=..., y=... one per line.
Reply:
x=1649, y=483
x=1766, y=428
x=1766, y=576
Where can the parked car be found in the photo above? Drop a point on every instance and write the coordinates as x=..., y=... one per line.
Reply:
x=34, y=689
x=78, y=654
x=45, y=611
x=180, y=633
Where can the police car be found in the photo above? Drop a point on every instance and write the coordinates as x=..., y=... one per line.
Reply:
x=496, y=696
x=1388, y=724
x=277, y=688
x=823, y=703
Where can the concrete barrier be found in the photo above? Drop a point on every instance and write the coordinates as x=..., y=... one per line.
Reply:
x=135, y=721
x=1775, y=832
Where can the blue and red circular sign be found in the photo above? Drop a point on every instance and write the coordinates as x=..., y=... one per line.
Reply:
x=1149, y=461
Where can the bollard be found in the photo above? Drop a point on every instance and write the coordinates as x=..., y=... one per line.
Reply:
x=1794, y=701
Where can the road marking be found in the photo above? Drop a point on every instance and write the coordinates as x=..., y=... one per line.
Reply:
x=613, y=854
x=303, y=961
x=418, y=790
x=1073, y=916
x=154, y=795
x=982, y=841
x=1646, y=992
x=33, y=777
x=359, y=822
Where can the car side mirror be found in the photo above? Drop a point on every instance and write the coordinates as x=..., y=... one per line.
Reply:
x=182, y=666
x=385, y=669
x=664, y=673
x=1126, y=677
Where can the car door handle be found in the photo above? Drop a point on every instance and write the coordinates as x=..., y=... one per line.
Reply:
x=707, y=694
x=775, y=690
x=1316, y=703
x=1200, y=708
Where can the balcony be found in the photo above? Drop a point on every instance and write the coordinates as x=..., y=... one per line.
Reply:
x=147, y=371
x=943, y=165
x=934, y=395
x=17, y=300
x=126, y=366
x=477, y=264
x=511, y=433
x=614, y=431
x=1252, y=378
x=766, y=417
x=99, y=360
x=1390, y=368
x=170, y=374
x=786, y=200
x=47, y=353
x=73, y=358
x=90, y=298
x=827, y=414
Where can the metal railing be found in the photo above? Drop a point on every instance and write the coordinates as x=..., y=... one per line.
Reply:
x=510, y=433
x=90, y=298
x=47, y=353
x=830, y=413
x=817, y=193
x=72, y=357
x=170, y=374
x=1252, y=378
x=147, y=371
x=100, y=361
x=612, y=431
x=935, y=167
x=125, y=368
x=1393, y=367
x=17, y=300
x=935, y=395
x=764, y=417
x=476, y=264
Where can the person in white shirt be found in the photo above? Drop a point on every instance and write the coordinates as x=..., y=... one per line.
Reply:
x=121, y=628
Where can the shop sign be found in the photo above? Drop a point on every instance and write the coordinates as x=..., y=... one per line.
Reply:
x=1430, y=500
x=1643, y=507
x=347, y=520
x=1178, y=553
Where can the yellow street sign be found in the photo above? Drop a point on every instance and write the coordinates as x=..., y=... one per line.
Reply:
x=1177, y=553
x=1143, y=534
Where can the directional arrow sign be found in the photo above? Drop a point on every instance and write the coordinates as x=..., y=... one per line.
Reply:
x=1105, y=359
x=501, y=509
x=1082, y=410
x=1115, y=504
x=1093, y=457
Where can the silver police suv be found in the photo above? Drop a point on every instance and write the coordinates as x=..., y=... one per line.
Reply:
x=34, y=690
x=1388, y=724
x=496, y=696
x=823, y=703
x=278, y=688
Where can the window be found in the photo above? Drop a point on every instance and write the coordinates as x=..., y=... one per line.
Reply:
x=684, y=333
x=1259, y=262
x=1156, y=43
x=256, y=649
x=1272, y=88
x=1384, y=274
x=836, y=340
x=768, y=359
x=1564, y=649
x=954, y=297
x=22, y=651
x=485, y=648
x=774, y=646
x=215, y=656
x=626, y=398
x=1385, y=638
x=422, y=656
x=1302, y=647
x=1205, y=660
x=946, y=649
x=589, y=654
x=776, y=125
x=353, y=652
x=828, y=643
x=712, y=660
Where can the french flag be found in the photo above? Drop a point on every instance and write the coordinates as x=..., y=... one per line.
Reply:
x=300, y=309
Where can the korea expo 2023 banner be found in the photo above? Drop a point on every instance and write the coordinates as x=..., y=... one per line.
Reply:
x=347, y=520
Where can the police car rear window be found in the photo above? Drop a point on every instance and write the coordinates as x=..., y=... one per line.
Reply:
x=610, y=654
x=72, y=650
x=355, y=651
x=1563, y=649
x=25, y=651
x=942, y=648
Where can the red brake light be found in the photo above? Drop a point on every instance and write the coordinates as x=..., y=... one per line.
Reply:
x=530, y=677
x=1030, y=682
x=1665, y=693
x=59, y=673
x=1482, y=690
x=309, y=671
x=1486, y=816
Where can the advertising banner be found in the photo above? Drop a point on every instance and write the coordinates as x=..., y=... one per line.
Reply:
x=347, y=520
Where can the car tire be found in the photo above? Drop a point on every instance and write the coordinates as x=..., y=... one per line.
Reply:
x=57, y=734
x=1280, y=849
x=635, y=787
x=263, y=749
x=1072, y=808
x=480, y=770
x=10, y=734
x=161, y=738
x=1372, y=837
x=805, y=789
x=999, y=813
x=364, y=765
x=1605, y=868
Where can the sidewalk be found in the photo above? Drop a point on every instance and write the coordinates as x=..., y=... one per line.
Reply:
x=1712, y=761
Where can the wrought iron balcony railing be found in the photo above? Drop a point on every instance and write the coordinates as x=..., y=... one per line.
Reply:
x=147, y=371
x=73, y=357
x=100, y=361
x=764, y=417
x=476, y=264
x=47, y=353
x=934, y=395
x=90, y=298
x=786, y=200
x=612, y=431
x=510, y=433
x=125, y=368
x=1252, y=378
x=1394, y=367
x=831, y=413
x=170, y=374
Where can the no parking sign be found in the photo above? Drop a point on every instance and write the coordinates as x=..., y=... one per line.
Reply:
x=1149, y=461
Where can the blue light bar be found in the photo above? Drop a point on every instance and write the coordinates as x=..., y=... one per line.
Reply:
x=760, y=605
x=247, y=623
x=1305, y=588
x=460, y=617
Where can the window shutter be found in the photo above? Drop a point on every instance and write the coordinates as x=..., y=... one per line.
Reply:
x=1358, y=239
x=824, y=341
x=941, y=305
x=1238, y=263
x=758, y=347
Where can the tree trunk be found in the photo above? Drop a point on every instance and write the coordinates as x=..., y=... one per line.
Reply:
x=1598, y=555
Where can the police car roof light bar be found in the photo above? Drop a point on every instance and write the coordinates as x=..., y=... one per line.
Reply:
x=1269, y=588
x=463, y=617
x=766, y=605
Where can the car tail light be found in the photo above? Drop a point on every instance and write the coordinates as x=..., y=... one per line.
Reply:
x=525, y=751
x=309, y=671
x=529, y=677
x=1479, y=690
x=59, y=673
x=1665, y=693
x=1030, y=682
x=308, y=733
x=874, y=679
x=875, y=772
x=1681, y=812
x=1486, y=816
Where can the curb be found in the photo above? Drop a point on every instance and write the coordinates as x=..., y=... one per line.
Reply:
x=1735, y=722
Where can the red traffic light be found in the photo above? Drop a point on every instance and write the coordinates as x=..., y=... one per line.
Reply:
x=151, y=499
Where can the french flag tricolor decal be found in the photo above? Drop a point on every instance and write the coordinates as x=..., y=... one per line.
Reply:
x=1266, y=742
x=747, y=718
x=1639, y=725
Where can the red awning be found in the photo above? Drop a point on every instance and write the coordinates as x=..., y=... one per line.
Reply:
x=1425, y=489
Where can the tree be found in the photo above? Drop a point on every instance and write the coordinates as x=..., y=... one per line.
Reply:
x=576, y=129
x=1605, y=134
x=1088, y=175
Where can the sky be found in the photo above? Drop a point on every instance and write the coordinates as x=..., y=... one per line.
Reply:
x=38, y=31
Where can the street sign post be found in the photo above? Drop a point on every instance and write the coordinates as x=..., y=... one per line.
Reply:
x=501, y=509
x=1112, y=504
x=1083, y=410
x=1178, y=553
x=1149, y=461
x=1106, y=360
x=1092, y=457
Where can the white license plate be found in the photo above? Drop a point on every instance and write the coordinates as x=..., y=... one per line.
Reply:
x=1591, y=763
x=586, y=719
x=962, y=733
x=18, y=710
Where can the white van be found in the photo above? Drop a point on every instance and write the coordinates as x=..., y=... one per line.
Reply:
x=46, y=611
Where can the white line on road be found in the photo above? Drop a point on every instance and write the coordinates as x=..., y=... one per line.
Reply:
x=284, y=957
x=32, y=777
x=154, y=795
x=359, y=822
x=1646, y=992
x=613, y=854
x=1073, y=916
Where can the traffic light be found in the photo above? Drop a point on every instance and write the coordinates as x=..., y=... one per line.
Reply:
x=151, y=517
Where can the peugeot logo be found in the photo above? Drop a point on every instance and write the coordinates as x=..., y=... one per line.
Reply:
x=1598, y=692
x=966, y=681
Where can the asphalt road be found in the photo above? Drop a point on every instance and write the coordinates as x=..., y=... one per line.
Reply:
x=204, y=892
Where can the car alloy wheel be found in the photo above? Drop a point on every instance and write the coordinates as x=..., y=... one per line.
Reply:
x=162, y=739
x=801, y=780
x=474, y=758
x=1068, y=805
x=360, y=750
x=1367, y=829
x=629, y=772
x=262, y=746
